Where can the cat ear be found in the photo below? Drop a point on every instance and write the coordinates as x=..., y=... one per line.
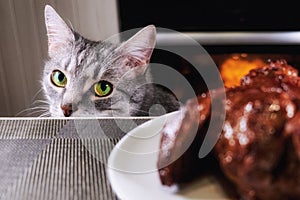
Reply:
x=59, y=34
x=138, y=48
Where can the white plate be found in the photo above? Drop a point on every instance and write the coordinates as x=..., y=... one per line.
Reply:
x=132, y=169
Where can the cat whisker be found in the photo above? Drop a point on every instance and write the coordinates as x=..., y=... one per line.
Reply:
x=31, y=114
x=36, y=105
x=36, y=94
x=45, y=114
x=39, y=104
x=41, y=101
x=21, y=112
x=35, y=109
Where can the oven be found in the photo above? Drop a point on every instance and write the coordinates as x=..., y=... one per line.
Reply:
x=234, y=33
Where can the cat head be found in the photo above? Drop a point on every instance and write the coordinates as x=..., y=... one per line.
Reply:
x=93, y=78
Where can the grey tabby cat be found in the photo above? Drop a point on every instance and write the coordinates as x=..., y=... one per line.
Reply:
x=97, y=78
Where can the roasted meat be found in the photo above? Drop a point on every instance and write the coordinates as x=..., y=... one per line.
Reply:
x=259, y=147
x=180, y=142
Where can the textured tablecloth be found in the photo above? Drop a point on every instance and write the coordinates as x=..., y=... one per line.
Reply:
x=58, y=158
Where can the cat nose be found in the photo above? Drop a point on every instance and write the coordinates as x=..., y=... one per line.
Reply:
x=67, y=109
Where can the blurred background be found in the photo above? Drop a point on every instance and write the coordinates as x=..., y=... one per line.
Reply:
x=231, y=31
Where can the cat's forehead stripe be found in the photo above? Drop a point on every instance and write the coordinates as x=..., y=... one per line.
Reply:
x=80, y=58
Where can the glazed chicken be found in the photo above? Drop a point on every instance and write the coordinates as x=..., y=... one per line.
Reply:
x=258, y=150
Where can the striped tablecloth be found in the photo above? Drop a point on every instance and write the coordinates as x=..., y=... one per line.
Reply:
x=53, y=159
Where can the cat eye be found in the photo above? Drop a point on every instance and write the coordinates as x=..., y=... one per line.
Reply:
x=103, y=88
x=58, y=78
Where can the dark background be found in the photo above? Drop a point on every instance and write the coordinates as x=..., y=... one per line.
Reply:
x=211, y=15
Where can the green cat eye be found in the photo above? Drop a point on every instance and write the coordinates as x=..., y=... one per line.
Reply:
x=103, y=88
x=58, y=78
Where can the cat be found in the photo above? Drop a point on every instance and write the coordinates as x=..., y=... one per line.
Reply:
x=97, y=78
